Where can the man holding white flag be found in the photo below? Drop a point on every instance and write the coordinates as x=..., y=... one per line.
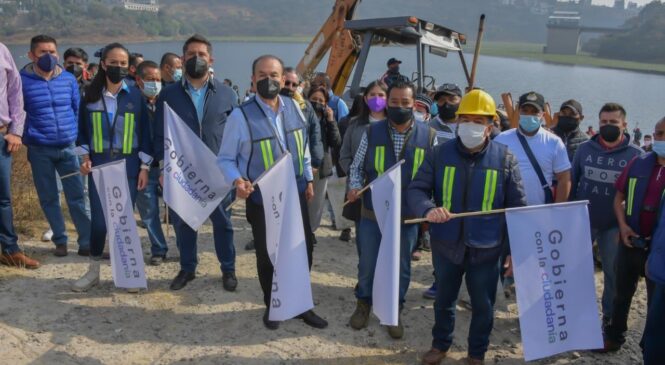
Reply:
x=194, y=190
x=400, y=137
x=468, y=174
x=259, y=133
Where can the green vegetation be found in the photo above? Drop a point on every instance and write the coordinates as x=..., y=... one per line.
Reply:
x=535, y=52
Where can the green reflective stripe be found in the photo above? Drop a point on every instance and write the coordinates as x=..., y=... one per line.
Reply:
x=490, y=189
x=447, y=188
x=301, y=150
x=97, y=138
x=632, y=182
x=266, y=153
x=379, y=159
x=418, y=159
x=128, y=139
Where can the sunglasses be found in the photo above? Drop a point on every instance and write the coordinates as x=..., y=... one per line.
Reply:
x=291, y=83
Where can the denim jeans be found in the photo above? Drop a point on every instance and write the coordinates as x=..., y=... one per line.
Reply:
x=369, y=240
x=147, y=203
x=186, y=239
x=481, y=281
x=8, y=238
x=98, y=231
x=629, y=266
x=608, y=245
x=654, y=330
x=45, y=161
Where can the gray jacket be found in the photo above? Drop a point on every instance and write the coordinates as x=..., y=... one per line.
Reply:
x=352, y=137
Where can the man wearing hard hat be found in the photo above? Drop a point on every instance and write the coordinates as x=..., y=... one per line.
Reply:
x=467, y=174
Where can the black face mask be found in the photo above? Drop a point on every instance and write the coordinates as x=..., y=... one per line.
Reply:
x=286, y=92
x=115, y=74
x=196, y=67
x=394, y=70
x=75, y=70
x=318, y=107
x=448, y=111
x=610, y=133
x=399, y=115
x=568, y=124
x=268, y=88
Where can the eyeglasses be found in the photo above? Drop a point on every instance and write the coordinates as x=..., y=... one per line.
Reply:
x=291, y=83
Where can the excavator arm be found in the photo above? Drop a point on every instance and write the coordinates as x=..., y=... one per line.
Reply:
x=343, y=48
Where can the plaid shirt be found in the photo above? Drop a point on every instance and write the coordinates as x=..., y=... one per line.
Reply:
x=357, y=169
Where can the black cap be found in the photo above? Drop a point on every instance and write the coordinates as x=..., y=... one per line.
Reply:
x=393, y=61
x=534, y=99
x=573, y=105
x=448, y=89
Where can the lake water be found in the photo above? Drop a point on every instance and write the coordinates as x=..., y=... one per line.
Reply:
x=640, y=93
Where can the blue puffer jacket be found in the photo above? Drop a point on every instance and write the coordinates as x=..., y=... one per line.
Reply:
x=52, y=108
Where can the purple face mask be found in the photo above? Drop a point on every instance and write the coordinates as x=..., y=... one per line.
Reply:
x=376, y=104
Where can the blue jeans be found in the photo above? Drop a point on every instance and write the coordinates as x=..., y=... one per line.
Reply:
x=368, y=237
x=481, y=281
x=147, y=203
x=653, y=339
x=8, y=238
x=222, y=234
x=98, y=232
x=45, y=161
x=608, y=245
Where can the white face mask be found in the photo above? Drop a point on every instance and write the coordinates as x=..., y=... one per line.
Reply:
x=471, y=134
x=421, y=116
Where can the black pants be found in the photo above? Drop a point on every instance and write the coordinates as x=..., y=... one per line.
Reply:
x=257, y=220
x=628, y=270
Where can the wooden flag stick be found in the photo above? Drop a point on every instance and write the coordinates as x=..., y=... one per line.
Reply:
x=70, y=175
x=458, y=215
x=360, y=192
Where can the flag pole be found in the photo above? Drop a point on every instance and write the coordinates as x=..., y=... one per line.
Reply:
x=237, y=201
x=363, y=190
x=458, y=215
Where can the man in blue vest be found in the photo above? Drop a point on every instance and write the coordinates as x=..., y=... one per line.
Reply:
x=203, y=103
x=52, y=100
x=467, y=174
x=257, y=134
x=639, y=191
x=382, y=146
x=653, y=350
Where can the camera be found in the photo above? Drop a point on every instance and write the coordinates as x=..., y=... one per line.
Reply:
x=639, y=242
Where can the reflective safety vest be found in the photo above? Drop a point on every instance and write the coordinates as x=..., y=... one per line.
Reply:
x=636, y=189
x=116, y=134
x=380, y=157
x=470, y=185
x=266, y=147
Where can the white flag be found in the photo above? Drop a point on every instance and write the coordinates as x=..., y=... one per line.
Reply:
x=193, y=184
x=285, y=239
x=387, y=203
x=124, y=242
x=553, y=266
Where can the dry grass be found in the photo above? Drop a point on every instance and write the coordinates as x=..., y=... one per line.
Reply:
x=28, y=216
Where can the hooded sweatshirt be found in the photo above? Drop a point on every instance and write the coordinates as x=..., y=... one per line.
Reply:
x=595, y=169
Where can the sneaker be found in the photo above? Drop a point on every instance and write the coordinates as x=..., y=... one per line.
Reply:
x=345, y=235
x=229, y=281
x=18, y=259
x=47, y=235
x=360, y=318
x=89, y=280
x=396, y=332
x=60, y=251
x=431, y=292
x=156, y=260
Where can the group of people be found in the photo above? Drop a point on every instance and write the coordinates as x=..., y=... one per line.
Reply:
x=458, y=150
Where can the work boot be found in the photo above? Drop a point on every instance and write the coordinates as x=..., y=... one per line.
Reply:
x=434, y=356
x=83, y=251
x=182, y=279
x=60, y=251
x=360, y=317
x=396, y=332
x=474, y=361
x=229, y=281
x=18, y=259
x=345, y=235
x=90, y=279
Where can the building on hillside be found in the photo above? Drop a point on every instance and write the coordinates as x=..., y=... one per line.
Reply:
x=136, y=5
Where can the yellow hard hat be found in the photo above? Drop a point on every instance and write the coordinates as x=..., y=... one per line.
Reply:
x=477, y=102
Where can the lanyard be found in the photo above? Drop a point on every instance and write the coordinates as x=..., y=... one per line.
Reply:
x=115, y=119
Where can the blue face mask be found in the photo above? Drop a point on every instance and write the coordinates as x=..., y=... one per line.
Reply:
x=151, y=88
x=659, y=148
x=47, y=62
x=177, y=74
x=529, y=123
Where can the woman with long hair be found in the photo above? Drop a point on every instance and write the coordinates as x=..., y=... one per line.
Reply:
x=113, y=125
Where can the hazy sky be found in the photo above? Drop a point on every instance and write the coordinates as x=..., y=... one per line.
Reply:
x=611, y=2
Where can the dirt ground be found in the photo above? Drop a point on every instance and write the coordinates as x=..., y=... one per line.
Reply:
x=43, y=322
